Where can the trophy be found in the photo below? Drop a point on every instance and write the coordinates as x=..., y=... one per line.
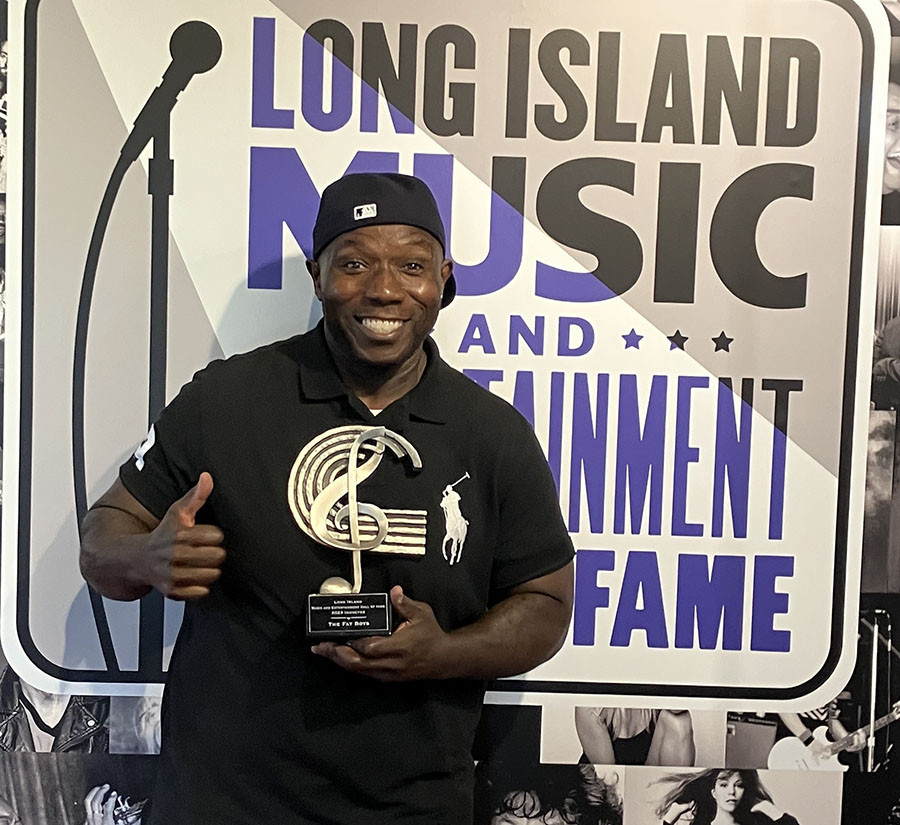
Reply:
x=323, y=492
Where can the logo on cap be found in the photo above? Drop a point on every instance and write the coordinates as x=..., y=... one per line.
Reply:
x=365, y=210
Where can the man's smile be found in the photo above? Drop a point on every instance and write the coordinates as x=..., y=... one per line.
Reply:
x=382, y=326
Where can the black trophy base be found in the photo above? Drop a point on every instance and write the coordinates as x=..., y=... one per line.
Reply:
x=338, y=616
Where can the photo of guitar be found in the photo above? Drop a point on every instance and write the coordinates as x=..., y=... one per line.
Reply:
x=820, y=754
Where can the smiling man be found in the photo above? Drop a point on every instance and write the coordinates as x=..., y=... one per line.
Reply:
x=890, y=184
x=258, y=477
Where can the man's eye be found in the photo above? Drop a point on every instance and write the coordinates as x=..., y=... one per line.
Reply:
x=414, y=266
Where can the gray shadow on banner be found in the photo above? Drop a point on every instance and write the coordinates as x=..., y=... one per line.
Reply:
x=296, y=287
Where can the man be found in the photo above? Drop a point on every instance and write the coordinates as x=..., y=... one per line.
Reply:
x=890, y=185
x=258, y=726
x=34, y=720
x=802, y=726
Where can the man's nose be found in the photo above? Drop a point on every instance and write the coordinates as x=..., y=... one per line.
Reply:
x=383, y=284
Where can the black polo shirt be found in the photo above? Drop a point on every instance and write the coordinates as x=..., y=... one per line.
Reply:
x=255, y=727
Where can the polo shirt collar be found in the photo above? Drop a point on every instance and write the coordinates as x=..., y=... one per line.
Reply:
x=320, y=380
x=425, y=399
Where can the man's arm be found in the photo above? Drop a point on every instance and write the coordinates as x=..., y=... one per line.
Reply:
x=795, y=725
x=126, y=551
x=518, y=633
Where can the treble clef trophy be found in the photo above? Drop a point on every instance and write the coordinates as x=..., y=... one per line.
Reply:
x=324, y=498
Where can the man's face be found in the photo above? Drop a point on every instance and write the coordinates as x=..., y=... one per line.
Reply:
x=891, y=180
x=380, y=288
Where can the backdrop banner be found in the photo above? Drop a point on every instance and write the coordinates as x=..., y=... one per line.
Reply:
x=664, y=218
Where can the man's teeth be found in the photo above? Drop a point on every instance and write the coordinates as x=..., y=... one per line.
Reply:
x=378, y=325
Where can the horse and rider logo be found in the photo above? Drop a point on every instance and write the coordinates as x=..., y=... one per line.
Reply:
x=456, y=525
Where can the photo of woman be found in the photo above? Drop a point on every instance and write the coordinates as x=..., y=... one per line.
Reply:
x=720, y=797
x=729, y=796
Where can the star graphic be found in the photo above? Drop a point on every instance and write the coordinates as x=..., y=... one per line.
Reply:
x=677, y=340
x=632, y=340
x=722, y=342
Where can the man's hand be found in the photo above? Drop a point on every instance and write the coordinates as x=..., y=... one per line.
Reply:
x=184, y=558
x=520, y=631
x=126, y=551
x=416, y=650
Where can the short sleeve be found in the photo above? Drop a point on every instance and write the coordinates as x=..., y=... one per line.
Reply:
x=168, y=462
x=533, y=537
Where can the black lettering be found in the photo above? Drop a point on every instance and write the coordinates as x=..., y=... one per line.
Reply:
x=462, y=95
x=732, y=235
x=784, y=51
x=518, y=63
x=671, y=71
x=721, y=83
x=782, y=387
x=676, y=232
x=378, y=71
x=607, y=126
x=567, y=220
x=562, y=83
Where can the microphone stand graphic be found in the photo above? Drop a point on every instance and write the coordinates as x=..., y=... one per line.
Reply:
x=195, y=48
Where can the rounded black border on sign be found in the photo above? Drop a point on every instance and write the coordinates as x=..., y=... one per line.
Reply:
x=26, y=409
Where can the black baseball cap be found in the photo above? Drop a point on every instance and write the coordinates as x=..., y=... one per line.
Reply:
x=370, y=198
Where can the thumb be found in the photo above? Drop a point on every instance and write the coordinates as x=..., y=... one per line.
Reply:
x=408, y=608
x=196, y=497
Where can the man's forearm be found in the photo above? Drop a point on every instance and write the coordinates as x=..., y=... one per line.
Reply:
x=112, y=547
x=514, y=636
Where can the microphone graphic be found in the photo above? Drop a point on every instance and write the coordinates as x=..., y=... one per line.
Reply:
x=195, y=47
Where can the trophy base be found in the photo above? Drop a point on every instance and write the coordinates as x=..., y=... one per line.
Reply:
x=337, y=616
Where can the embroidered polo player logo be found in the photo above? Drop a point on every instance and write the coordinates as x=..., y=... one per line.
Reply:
x=456, y=525
x=324, y=498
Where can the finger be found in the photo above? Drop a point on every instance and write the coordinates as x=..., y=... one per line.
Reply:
x=189, y=505
x=346, y=657
x=108, y=808
x=187, y=594
x=186, y=555
x=199, y=535
x=93, y=794
x=188, y=576
x=375, y=647
x=342, y=655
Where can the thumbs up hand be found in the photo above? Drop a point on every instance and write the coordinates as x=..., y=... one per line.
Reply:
x=184, y=558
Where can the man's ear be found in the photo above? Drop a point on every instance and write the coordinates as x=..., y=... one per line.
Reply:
x=312, y=267
x=446, y=270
